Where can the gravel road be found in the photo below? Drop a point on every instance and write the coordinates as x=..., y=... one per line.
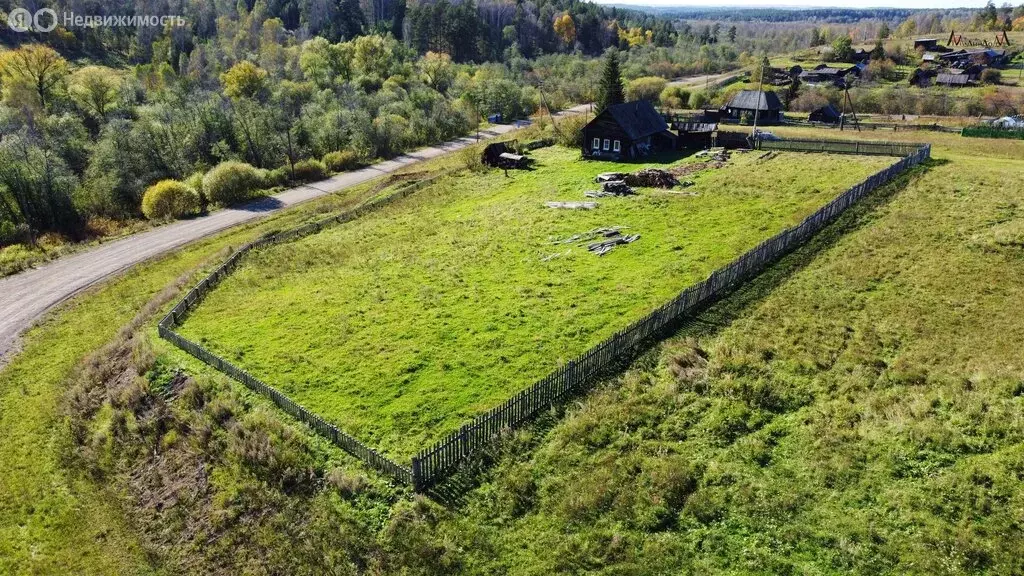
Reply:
x=25, y=297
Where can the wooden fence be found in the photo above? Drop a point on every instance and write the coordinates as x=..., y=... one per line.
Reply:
x=842, y=147
x=437, y=462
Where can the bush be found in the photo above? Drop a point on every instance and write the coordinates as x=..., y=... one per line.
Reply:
x=232, y=182
x=647, y=88
x=991, y=76
x=309, y=170
x=169, y=199
x=341, y=161
x=275, y=177
x=674, y=97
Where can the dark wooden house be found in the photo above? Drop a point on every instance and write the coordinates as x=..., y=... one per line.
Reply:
x=746, y=102
x=827, y=114
x=927, y=44
x=627, y=131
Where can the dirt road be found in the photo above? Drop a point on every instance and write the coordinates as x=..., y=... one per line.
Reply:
x=25, y=297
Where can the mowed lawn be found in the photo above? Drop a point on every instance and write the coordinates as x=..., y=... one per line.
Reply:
x=406, y=323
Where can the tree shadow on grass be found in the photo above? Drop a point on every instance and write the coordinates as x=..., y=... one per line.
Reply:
x=706, y=323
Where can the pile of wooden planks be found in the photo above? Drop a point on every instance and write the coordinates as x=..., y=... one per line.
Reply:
x=572, y=205
x=605, y=246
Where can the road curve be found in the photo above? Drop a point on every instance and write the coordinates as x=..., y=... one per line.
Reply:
x=26, y=296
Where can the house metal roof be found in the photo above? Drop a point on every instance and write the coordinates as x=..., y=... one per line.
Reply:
x=953, y=79
x=755, y=100
x=637, y=119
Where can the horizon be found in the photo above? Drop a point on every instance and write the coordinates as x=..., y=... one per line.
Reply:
x=806, y=4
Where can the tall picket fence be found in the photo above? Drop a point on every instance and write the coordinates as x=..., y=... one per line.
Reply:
x=436, y=463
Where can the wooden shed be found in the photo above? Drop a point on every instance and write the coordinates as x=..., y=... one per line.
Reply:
x=627, y=131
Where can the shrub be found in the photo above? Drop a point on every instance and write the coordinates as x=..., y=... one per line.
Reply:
x=169, y=199
x=341, y=161
x=646, y=88
x=232, y=182
x=674, y=97
x=309, y=170
x=991, y=76
x=275, y=177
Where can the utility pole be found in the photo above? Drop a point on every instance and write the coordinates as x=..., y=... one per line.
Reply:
x=760, y=94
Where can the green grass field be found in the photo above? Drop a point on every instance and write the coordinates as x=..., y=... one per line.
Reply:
x=406, y=323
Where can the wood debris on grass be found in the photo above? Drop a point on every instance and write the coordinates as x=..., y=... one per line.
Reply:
x=605, y=246
x=611, y=188
x=610, y=237
x=572, y=205
x=590, y=235
x=652, y=178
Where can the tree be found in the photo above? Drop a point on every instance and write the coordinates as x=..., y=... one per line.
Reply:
x=244, y=80
x=842, y=49
x=95, y=89
x=610, y=91
x=32, y=72
x=732, y=34
x=878, y=52
x=883, y=31
x=565, y=28
x=437, y=70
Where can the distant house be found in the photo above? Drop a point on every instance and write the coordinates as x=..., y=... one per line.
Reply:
x=697, y=134
x=953, y=80
x=746, y=102
x=828, y=114
x=824, y=74
x=927, y=44
x=627, y=131
x=970, y=56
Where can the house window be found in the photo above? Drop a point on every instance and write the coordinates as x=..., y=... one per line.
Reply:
x=597, y=143
x=618, y=146
x=607, y=144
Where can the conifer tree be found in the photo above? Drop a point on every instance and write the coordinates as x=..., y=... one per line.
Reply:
x=610, y=91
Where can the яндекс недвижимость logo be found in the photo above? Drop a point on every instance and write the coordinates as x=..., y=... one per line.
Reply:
x=47, y=19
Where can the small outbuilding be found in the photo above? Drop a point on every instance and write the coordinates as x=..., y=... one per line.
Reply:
x=827, y=114
x=953, y=80
x=927, y=44
x=746, y=103
x=627, y=131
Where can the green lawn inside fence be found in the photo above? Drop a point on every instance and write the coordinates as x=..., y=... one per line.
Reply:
x=404, y=324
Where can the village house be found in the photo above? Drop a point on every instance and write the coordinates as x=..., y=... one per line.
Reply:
x=627, y=131
x=746, y=103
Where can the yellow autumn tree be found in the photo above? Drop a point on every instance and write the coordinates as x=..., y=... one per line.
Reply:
x=565, y=28
x=636, y=36
x=1018, y=24
x=31, y=75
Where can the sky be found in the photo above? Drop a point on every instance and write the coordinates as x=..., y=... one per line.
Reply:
x=812, y=3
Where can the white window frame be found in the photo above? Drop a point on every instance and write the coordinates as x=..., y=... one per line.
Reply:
x=597, y=143
x=617, y=146
x=607, y=144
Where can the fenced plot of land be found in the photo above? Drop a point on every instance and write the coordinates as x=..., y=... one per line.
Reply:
x=401, y=325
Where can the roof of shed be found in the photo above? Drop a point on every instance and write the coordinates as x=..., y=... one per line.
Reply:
x=637, y=119
x=755, y=100
x=957, y=79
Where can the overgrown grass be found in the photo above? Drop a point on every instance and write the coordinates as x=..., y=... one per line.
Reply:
x=406, y=323
x=857, y=409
